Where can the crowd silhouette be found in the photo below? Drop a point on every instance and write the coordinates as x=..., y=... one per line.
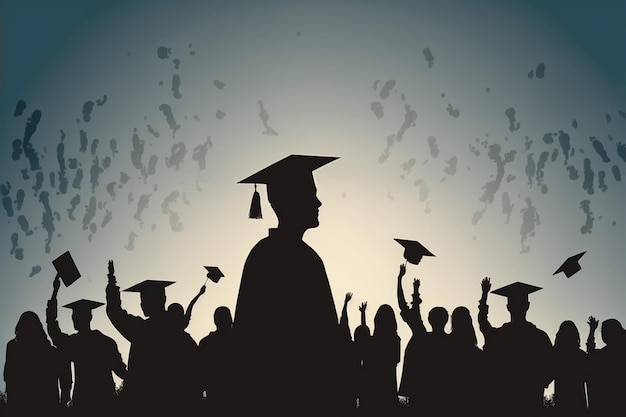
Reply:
x=286, y=355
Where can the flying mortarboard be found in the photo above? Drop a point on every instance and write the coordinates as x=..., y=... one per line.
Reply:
x=289, y=170
x=516, y=290
x=84, y=305
x=66, y=268
x=413, y=250
x=571, y=265
x=150, y=285
x=213, y=273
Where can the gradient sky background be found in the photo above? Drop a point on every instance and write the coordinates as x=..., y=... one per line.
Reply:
x=493, y=134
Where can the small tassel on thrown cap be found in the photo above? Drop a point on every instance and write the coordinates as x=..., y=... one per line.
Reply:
x=255, y=206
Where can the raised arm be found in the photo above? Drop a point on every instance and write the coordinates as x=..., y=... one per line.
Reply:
x=362, y=308
x=483, y=308
x=54, y=331
x=125, y=323
x=411, y=315
x=402, y=304
x=192, y=303
x=591, y=339
x=343, y=321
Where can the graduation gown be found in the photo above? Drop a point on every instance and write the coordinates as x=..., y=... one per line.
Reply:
x=162, y=362
x=286, y=332
x=519, y=356
x=95, y=357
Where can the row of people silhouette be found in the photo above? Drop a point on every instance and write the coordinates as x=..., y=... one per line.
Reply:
x=284, y=355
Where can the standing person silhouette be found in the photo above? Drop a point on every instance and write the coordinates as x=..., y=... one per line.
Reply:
x=162, y=375
x=426, y=357
x=380, y=394
x=34, y=371
x=608, y=367
x=466, y=381
x=216, y=357
x=95, y=356
x=518, y=354
x=286, y=329
x=571, y=372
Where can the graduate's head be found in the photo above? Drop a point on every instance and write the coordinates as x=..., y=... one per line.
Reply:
x=222, y=318
x=517, y=298
x=291, y=190
x=385, y=320
x=612, y=332
x=29, y=328
x=438, y=317
x=462, y=326
x=152, y=293
x=361, y=334
x=567, y=336
x=81, y=313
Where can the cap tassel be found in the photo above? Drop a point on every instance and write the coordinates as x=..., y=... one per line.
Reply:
x=255, y=206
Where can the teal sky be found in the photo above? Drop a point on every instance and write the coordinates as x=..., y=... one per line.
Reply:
x=493, y=135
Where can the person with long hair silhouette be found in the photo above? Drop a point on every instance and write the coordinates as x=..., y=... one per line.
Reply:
x=380, y=396
x=518, y=354
x=466, y=363
x=362, y=337
x=179, y=316
x=608, y=367
x=162, y=377
x=425, y=376
x=35, y=371
x=216, y=356
x=289, y=356
x=571, y=372
x=95, y=356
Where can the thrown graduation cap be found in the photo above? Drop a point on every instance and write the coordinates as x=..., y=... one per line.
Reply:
x=290, y=170
x=150, y=285
x=84, y=305
x=213, y=273
x=516, y=290
x=571, y=265
x=413, y=250
x=66, y=268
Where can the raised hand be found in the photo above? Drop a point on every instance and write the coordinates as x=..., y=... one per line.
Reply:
x=593, y=323
x=202, y=289
x=348, y=298
x=111, y=274
x=485, y=285
x=402, y=271
x=363, y=306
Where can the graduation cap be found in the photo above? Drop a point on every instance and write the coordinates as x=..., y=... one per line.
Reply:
x=83, y=305
x=413, y=250
x=150, y=286
x=213, y=273
x=516, y=290
x=289, y=171
x=66, y=268
x=571, y=265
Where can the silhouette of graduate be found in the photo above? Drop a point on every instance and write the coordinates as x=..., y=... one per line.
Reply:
x=285, y=324
x=518, y=354
x=162, y=363
x=95, y=356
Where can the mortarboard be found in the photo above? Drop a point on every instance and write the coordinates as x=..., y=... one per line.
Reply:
x=150, y=286
x=84, y=305
x=288, y=171
x=516, y=290
x=413, y=250
x=213, y=273
x=570, y=266
x=66, y=268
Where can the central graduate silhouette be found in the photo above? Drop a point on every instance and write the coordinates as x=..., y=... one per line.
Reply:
x=285, y=325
